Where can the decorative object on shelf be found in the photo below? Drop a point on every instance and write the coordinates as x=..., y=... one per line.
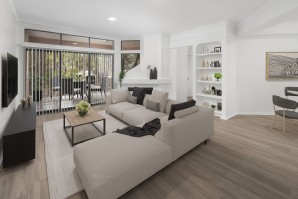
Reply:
x=213, y=90
x=217, y=49
x=155, y=73
x=210, y=78
x=203, y=64
x=121, y=77
x=216, y=64
x=209, y=91
x=29, y=100
x=23, y=102
x=213, y=106
x=204, y=90
x=206, y=104
x=207, y=64
x=218, y=76
x=151, y=74
x=281, y=65
x=219, y=93
x=219, y=106
x=83, y=107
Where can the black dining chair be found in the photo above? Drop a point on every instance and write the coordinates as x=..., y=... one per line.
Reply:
x=289, y=93
x=287, y=110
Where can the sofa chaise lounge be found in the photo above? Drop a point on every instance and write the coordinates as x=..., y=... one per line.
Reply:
x=111, y=165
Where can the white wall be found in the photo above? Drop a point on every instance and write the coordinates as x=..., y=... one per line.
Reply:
x=8, y=36
x=254, y=91
x=181, y=75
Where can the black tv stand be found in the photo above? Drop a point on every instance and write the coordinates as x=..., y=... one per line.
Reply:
x=19, y=136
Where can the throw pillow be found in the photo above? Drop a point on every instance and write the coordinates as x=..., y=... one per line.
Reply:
x=119, y=95
x=153, y=106
x=139, y=93
x=132, y=99
x=181, y=106
x=161, y=97
x=187, y=111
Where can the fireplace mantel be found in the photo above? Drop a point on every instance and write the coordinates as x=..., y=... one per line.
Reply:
x=146, y=81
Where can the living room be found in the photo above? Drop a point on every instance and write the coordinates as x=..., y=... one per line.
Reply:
x=215, y=82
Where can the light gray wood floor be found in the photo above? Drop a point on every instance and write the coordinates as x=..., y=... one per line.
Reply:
x=245, y=158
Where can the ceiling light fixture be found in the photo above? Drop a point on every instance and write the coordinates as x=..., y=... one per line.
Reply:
x=112, y=18
x=74, y=43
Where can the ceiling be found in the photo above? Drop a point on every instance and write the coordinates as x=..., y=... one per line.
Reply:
x=134, y=17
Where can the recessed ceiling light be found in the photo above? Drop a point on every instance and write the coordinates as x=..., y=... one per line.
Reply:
x=112, y=18
x=74, y=43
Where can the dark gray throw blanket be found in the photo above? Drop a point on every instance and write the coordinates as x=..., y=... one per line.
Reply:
x=150, y=128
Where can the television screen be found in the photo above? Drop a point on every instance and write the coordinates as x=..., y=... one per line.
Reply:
x=9, y=79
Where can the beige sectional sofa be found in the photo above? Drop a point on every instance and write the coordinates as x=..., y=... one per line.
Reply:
x=111, y=165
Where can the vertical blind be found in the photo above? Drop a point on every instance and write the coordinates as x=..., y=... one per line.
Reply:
x=58, y=80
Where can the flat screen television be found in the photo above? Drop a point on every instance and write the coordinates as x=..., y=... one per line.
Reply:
x=9, y=79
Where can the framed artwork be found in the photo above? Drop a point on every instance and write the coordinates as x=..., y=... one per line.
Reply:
x=282, y=66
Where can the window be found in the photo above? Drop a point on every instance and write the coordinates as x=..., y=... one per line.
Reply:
x=129, y=61
x=42, y=37
x=70, y=40
x=101, y=44
x=130, y=45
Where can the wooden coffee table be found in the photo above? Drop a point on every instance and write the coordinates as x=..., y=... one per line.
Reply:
x=75, y=120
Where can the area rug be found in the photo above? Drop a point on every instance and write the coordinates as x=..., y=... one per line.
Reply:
x=62, y=176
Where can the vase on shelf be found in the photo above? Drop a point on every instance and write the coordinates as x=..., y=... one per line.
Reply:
x=155, y=73
x=151, y=74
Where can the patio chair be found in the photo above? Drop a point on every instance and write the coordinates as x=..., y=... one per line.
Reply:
x=287, y=111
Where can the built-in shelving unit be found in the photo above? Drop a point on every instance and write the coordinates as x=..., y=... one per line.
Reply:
x=206, y=56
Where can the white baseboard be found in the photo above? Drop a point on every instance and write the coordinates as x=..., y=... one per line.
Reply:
x=258, y=113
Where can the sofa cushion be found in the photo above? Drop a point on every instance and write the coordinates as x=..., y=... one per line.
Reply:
x=140, y=115
x=118, y=109
x=146, y=99
x=181, y=106
x=119, y=95
x=187, y=111
x=111, y=165
x=140, y=94
x=153, y=106
x=169, y=105
x=132, y=99
x=161, y=97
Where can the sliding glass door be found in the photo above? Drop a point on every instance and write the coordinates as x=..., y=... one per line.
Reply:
x=58, y=80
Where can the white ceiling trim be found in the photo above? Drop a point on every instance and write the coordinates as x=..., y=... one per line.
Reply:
x=265, y=17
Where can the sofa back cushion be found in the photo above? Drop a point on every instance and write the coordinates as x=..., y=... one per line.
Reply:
x=153, y=106
x=140, y=94
x=160, y=97
x=119, y=95
x=132, y=99
x=181, y=106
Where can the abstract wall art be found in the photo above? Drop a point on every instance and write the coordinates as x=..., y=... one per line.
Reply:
x=282, y=65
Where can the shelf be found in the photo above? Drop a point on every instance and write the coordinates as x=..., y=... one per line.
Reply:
x=209, y=96
x=209, y=54
x=201, y=68
x=209, y=82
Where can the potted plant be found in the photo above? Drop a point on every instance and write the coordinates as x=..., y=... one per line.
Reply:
x=218, y=76
x=121, y=77
x=83, y=107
